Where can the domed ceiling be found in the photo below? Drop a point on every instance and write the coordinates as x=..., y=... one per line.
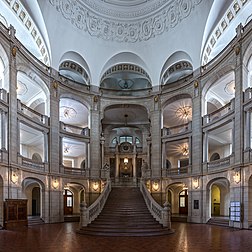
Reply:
x=152, y=30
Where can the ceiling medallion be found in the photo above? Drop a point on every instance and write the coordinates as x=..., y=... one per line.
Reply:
x=230, y=88
x=67, y=112
x=84, y=15
x=184, y=113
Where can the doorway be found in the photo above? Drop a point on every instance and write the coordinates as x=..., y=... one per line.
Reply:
x=68, y=202
x=36, y=201
x=183, y=202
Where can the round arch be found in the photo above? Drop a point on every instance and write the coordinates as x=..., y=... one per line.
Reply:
x=34, y=190
x=217, y=197
x=225, y=74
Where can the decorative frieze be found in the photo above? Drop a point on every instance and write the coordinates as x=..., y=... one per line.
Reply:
x=84, y=15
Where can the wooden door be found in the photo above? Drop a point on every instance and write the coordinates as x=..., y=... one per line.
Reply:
x=183, y=202
x=68, y=202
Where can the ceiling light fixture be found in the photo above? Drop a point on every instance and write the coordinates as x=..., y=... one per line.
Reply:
x=230, y=88
x=184, y=150
x=68, y=112
x=21, y=88
x=184, y=112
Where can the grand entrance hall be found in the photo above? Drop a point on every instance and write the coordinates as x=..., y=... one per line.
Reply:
x=126, y=119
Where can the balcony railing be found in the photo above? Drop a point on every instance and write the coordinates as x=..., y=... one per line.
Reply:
x=178, y=171
x=247, y=94
x=74, y=171
x=75, y=129
x=218, y=164
x=217, y=114
x=3, y=95
x=32, y=163
x=177, y=129
x=34, y=115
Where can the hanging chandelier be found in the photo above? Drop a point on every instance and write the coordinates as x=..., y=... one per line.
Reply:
x=184, y=112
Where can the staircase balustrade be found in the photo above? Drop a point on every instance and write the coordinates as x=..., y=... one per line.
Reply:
x=89, y=214
x=161, y=214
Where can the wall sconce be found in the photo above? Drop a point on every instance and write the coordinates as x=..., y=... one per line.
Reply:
x=195, y=182
x=14, y=177
x=95, y=185
x=55, y=183
x=155, y=185
x=237, y=176
x=126, y=160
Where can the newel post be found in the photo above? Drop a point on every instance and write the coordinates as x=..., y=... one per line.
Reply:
x=84, y=216
x=166, y=213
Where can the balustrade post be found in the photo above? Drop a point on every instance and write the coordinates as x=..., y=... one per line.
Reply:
x=84, y=216
x=166, y=214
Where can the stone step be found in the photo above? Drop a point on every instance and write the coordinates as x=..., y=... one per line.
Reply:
x=35, y=220
x=218, y=221
x=125, y=214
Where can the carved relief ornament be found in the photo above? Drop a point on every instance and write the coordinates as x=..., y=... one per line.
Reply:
x=130, y=31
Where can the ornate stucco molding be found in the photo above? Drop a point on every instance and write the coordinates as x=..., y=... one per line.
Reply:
x=142, y=29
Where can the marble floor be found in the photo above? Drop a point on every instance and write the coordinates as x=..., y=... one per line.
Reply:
x=187, y=237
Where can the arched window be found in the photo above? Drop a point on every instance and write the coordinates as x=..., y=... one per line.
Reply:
x=137, y=140
x=124, y=139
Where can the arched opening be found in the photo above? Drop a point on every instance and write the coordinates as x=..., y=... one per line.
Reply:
x=215, y=200
x=177, y=196
x=68, y=201
x=125, y=129
x=36, y=201
x=34, y=190
x=183, y=202
x=250, y=202
x=73, y=194
x=219, y=198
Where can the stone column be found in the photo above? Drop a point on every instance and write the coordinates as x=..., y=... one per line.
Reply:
x=117, y=168
x=12, y=123
x=239, y=76
x=156, y=152
x=45, y=147
x=248, y=130
x=55, y=154
x=196, y=125
x=95, y=158
x=148, y=161
x=3, y=130
x=205, y=151
x=163, y=156
x=102, y=150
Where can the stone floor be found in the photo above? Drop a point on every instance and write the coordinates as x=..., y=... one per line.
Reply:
x=187, y=237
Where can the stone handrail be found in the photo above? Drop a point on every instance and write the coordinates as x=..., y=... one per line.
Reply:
x=161, y=214
x=88, y=214
x=33, y=163
x=179, y=129
x=185, y=170
x=75, y=129
x=219, y=113
x=32, y=113
x=74, y=171
x=219, y=163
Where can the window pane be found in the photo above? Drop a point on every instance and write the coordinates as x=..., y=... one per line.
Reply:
x=69, y=201
x=182, y=201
